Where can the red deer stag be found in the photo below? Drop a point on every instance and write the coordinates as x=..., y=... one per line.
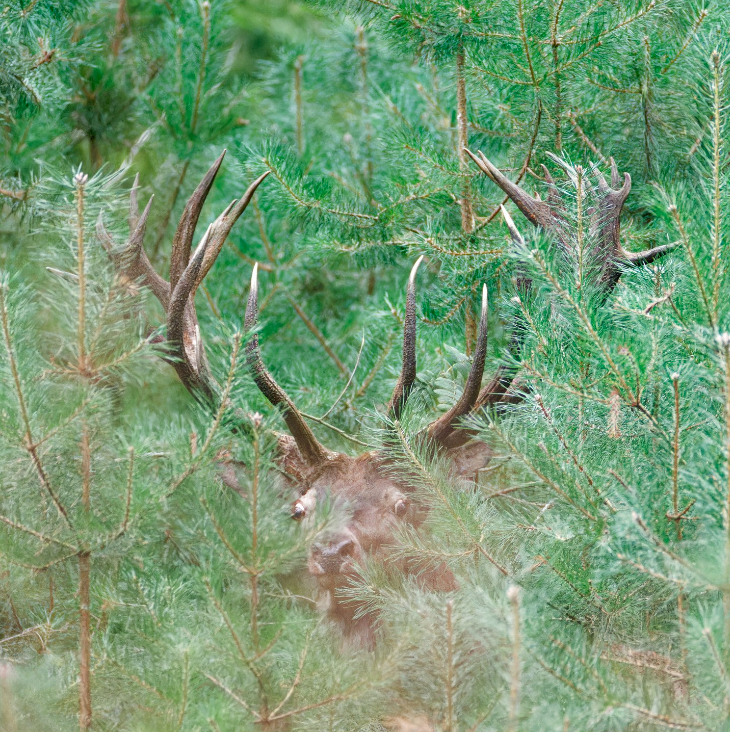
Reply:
x=372, y=501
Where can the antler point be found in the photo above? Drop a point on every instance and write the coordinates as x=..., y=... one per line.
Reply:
x=414, y=270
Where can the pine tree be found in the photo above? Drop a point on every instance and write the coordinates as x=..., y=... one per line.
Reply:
x=151, y=575
x=70, y=483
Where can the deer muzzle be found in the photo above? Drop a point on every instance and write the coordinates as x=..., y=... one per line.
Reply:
x=335, y=556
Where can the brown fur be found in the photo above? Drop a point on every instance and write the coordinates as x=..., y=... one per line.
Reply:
x=366, y=499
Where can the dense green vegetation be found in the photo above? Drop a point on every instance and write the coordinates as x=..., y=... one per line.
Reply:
x=151, y=577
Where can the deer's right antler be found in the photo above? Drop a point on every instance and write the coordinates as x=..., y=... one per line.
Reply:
x=177, y=297
x=314, y=453
x=550, y=215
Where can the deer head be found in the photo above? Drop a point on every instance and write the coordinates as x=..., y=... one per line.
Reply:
x=371, y=502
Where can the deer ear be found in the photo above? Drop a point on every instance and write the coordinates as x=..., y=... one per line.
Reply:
x=469, y=459
x=290, y=460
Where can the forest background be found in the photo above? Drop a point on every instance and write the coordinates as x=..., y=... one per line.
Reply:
x=592, y=555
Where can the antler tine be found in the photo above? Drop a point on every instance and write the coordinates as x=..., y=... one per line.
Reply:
x=223, y=225
x=181, y=293
x=619, y=196
x=312, y=451
x=517, y=238
x=182, y=242
x=498, y=387
x=536, y=211
x=408, y=371
x=554, y=198
x=615, y=177
x=137, y=265
x=103, y=235
x=649, y=255
x=606, y=217
x=444, y=428
x=134, y=205
x=188, y=356
x=602, y=185
x=133, y=263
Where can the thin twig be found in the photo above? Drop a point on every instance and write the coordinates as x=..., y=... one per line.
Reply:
x=349, y=381
x=329, y=426
x=30, y=444
x=318, y=335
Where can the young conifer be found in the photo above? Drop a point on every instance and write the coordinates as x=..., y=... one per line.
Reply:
x=152, y=576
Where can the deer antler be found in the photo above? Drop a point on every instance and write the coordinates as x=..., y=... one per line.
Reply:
x=446, y=430
x=177, y=297
x=408, y=372
x=442, y=430
x=550, y=216
x=311, y=450
x=183, y=239
x=536, y=211
x=605, y=218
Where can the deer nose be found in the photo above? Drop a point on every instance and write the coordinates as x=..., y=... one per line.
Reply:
x=329, y=557
x=343, y=548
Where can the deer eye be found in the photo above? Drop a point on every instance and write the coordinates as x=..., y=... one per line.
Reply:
x=400, y=507
x=298, y=512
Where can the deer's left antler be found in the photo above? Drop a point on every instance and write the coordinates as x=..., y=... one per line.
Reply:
x=550, y=215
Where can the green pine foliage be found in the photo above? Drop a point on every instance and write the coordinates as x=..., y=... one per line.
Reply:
x=151, y=577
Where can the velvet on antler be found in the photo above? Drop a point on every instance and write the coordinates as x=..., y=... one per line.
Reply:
x=408, y=371
x=444, y=429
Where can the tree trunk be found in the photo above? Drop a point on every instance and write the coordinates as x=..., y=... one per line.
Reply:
x=84, y=643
